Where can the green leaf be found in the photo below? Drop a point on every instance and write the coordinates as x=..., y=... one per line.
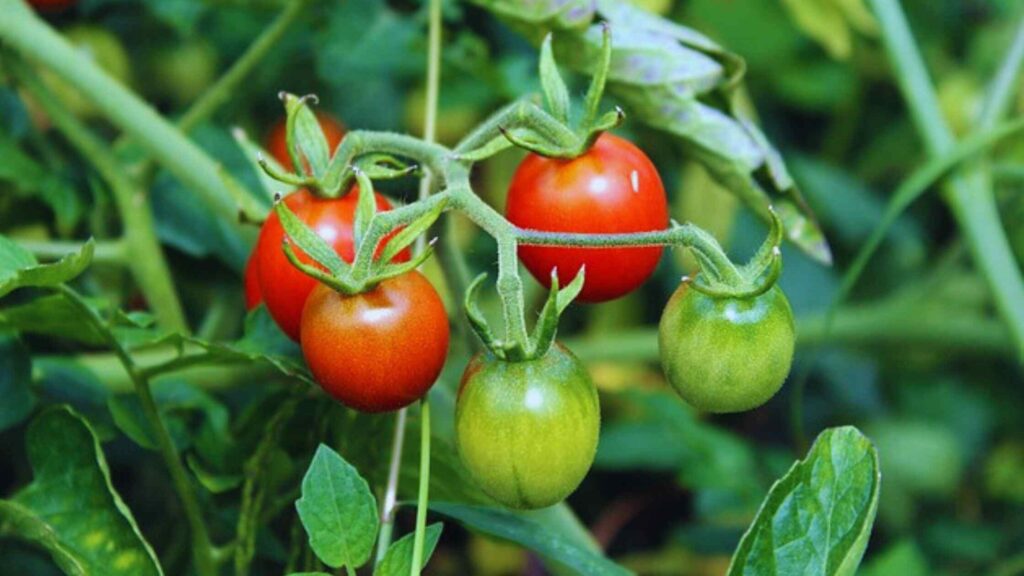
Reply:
x=15, y=382
x=58, y=317
x=338, y=511
x=522, y=529
x=556, y=95
x=817, y=518
x=19, y=269
x=397, y=560
x=71, y=509
x=176, y=400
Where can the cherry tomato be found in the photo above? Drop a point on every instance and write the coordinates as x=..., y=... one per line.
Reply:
x=726, y=354
x=379, y=350
x=52, y=5
x=277, y=138
x=613, y=188
x=253, y=295
x=527, y=431
x=283, y=286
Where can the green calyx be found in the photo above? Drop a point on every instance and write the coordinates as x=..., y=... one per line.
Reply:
x=315, y=169
x=720, y=278
x=368, y=268
x=551, y=130
x=537, y=343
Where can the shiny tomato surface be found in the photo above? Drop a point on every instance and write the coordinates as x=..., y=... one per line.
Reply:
x=379, y=350
x=612, y=189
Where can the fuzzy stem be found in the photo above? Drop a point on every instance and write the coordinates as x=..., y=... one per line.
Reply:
x=424, y=488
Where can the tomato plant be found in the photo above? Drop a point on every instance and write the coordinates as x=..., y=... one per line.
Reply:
x=726, y=354
x=379, y=350
x=304, y=413
x=285, y=289
x=612, y=188
x=527, y=431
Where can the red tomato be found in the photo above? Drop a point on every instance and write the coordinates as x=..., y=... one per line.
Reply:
x=253, y=296
x=277, y=138
x=380, y=350
x=283, y=286
x=613, y=188
x=52, y=5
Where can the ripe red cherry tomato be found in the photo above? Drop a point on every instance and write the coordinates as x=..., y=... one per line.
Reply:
x=253, y=296
x=283, y=286
x=277, y=138
x=613, y=188
x=52, y=5
x=379, y=350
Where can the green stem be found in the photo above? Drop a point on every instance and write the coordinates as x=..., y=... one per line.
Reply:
x=970, y=196
x=424, y=492
x=144, y=256
x=202, y=548
x=105, y=251
x=26, y=33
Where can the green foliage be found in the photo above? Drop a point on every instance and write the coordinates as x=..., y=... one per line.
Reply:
x=338, y=511
x=818, y=517
x=71, y=509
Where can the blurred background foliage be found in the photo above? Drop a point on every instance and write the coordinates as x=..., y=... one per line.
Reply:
x=917, y=358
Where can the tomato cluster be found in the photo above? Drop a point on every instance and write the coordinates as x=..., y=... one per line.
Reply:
x=526, y=427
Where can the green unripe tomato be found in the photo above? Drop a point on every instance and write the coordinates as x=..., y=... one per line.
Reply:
x=726, y=354
x=527, y=431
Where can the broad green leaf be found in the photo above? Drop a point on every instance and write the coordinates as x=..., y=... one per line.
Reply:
x=397, y=560
x=176, y=399
x=817, y=518
x=522, y=529
x=71, y=509
x=15, y=381
x=557, y=14
x=338, y=511
x=19, y=269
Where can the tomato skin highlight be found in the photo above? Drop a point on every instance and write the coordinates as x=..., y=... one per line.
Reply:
x=612, y=189
x=379, y=350
x=726, y=354
x=251, y=282
x=527, y=431
x=277, y=138
x=283, y=286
